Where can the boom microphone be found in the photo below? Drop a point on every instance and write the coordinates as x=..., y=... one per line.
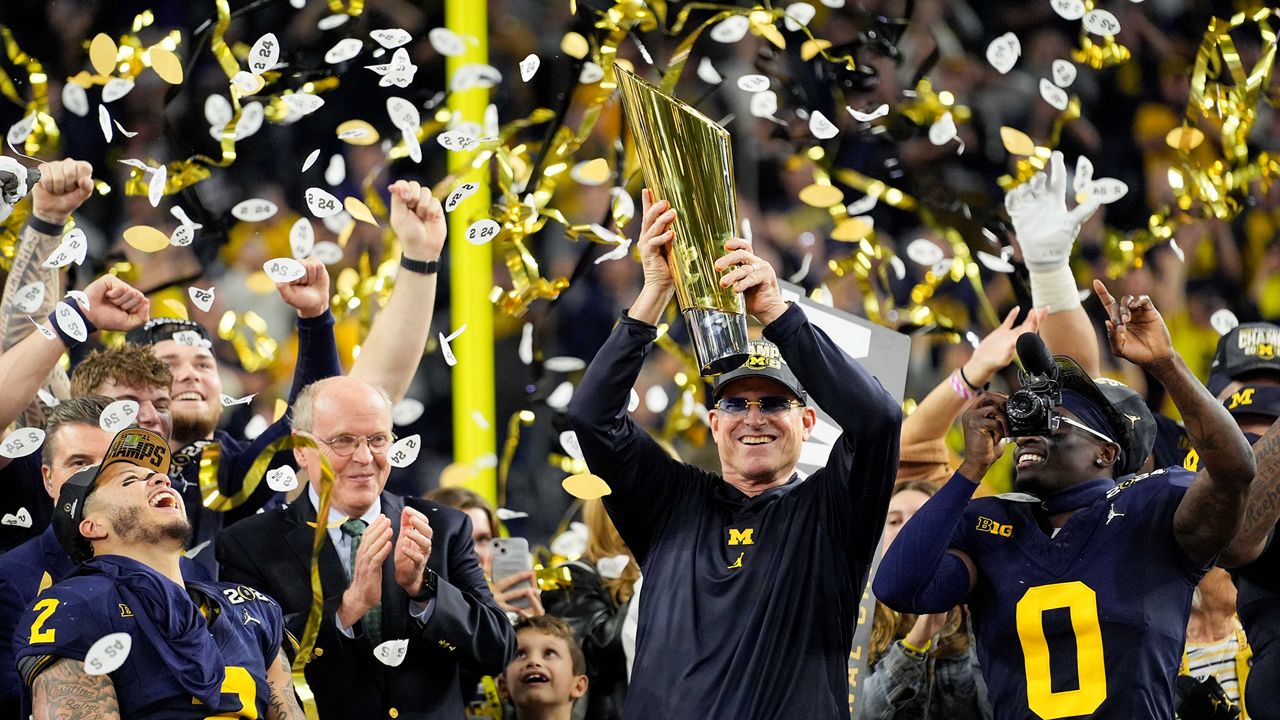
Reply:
x=1033, y=354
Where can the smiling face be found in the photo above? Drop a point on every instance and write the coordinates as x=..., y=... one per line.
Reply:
x=756, y=450
x=541, y=675
x=155, y=409
x=196, y=391
x=133, y=505
x=345, y=406
x=1045, y=465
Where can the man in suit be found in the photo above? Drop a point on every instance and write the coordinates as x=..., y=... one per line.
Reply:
x=391, y=569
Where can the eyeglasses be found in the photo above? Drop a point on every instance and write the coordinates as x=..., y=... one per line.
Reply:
x=768, y=406
x=1086, y=429
x=346, y=445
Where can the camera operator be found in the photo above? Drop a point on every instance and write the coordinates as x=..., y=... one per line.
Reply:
x=1079, y=586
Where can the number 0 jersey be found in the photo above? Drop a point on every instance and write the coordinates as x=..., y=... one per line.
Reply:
x=1090, y=622
x=246, y=628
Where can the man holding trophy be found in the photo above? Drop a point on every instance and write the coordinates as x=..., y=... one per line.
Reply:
x=752, y=577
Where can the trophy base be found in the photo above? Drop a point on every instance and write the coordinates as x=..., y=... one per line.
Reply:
x=719, y=339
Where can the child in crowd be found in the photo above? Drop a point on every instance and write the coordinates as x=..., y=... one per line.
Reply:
x=548, y=672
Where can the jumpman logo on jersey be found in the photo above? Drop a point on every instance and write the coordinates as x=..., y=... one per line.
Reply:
x=1112, y=514
x=249, y=618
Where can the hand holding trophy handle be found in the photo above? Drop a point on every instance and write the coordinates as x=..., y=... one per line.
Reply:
x=656, y=234
x=754, y=278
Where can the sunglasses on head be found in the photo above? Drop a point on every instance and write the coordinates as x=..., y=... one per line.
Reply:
x=770, y=405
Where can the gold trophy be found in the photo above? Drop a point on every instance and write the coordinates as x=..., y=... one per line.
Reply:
x=687, y=162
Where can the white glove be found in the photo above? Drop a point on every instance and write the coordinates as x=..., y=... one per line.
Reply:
x=1046, y=230
x=13, y=185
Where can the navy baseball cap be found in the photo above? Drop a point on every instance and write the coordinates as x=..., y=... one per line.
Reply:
x=1254, y=399
x=763, y=360
x=158, y=329
x=1133, y=426
x=134, y=445
x=1247, y=348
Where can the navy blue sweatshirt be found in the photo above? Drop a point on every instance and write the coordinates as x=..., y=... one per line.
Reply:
x=749, y=602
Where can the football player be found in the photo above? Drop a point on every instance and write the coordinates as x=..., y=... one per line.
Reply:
x=126, y=636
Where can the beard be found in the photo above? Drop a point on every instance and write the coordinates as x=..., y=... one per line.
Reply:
x=129, y=526
x=189, y=427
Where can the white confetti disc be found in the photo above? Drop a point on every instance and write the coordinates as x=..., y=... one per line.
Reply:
x=456, y=141
x=80, y=297
x=264, y=54
x=302, y=238
x=311, y=160
x=404, y=451
x=336, y=171
x=871, y=116
x=475, y=75
x=191, y=338
x=327, y=252
x=283, y=270
x=155, y=186
x=446, y=42
x=529, y=67
x=1177, y=250
x=217, y=110
x=1084, y=175
x=656, y=399
x=247, y=83
x=21, y=519
x=391, y=38
x=282, y=479
x=560, y=397
x=564, y=364
x=943, y=130
x=201, y=298
x=1054, y=95
x=763, y=104
x=321, y=203
x=995, y=263
x=924, y=252
x=29, y=297
x=1224, y=321
x=482, y=231
x=228, y=401
x=1064, y=73
x=47, y=397
x=633, y=401
x=22, y=441
x=611, y=568
x=821, y=127
x=862, y=205
x=46, y=332
x=1101, y=22
x=123, y=132
x=21, y=130
x=753, y=83
x=343, y=50
x=591, y=73
x=731, y=29
x=1108, y=190
x=391, y=652
x=798, y=15
x=331, y=22
x=1068, y=9
x=104, y=122
x=300, y=103
x=834, y=4
x=251, y=116
x=403, y=114
x=569, y=441
x=107, y=654
x=462, y=192
x=254, y=210
x=75, y=99
x=406, y=411
x=1003, y=52
x=118, y=415
x=708, y=74
x=115, y=89
x=70, y=322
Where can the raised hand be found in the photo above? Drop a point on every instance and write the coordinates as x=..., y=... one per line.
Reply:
x=985, y=425
x=997, y=349
x=309, y=294
x=752, y=277
x=115, y=305
x=1045, y=229
x=1138, y=333
x=365, y=589
x=656, y=232
x=64, y=185
x=418, y=220
x=413, y=549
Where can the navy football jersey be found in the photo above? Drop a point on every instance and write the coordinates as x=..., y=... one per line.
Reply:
x=71, y=616
x=1091, y=621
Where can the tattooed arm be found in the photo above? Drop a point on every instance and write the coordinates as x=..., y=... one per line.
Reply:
x=1263, y=507
x=284, y=704
x=64, y=691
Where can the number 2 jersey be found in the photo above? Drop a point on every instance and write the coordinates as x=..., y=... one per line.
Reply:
x=1090, y=622
x=245, y=626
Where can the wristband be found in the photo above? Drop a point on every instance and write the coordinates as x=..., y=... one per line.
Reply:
x=971, y=385
x=959, y=386
x=43, y=227
x=70, y=342
x=425, y=267
x=1055, y=288
x=913, y=651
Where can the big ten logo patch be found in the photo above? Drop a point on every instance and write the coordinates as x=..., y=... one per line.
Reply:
x=988, y=525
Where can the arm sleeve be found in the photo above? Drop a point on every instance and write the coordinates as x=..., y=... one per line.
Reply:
x=863, y=463
x=466, y=620
x=33, y=247
x=644, y=480
x=918, y=574
x=895, y=681
x=317, y=360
